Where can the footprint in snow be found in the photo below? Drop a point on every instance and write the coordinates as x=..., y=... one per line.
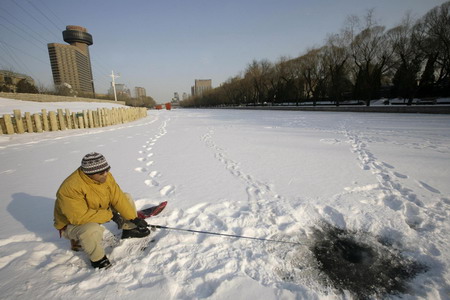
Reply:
x=141, y=159
x=153, y=174
x=167, y=190
x=388, y=165
x=8, y=171
x=142, y=170
x=400, y=175
x=330, y=141
x=50, y=160
x=151, y=182
x=428, y=187
x=5, y=260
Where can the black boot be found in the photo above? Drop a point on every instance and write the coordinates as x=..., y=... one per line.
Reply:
x=102, y=263
x=138, y=232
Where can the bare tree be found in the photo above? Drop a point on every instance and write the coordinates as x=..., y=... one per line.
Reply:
x=371, y=56
x=407, y=58
x=311, y=68
x=432, y=34
x=336, y=57
x=258, y=74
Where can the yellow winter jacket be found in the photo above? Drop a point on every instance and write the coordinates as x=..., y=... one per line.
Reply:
x=81, y=200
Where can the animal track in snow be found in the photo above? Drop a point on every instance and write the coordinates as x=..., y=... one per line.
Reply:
x=139, y=169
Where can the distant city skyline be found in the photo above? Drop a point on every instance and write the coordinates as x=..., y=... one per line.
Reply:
x=163, y=46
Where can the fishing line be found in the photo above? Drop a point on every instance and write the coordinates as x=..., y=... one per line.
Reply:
x=225, y=234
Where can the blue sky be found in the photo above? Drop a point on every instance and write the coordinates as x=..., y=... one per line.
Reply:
x=165, y=45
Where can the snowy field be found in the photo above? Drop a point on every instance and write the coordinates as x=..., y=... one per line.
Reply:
x=265, y=174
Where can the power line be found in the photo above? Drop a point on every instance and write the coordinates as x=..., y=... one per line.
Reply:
x=37, y=8
x=21, y=65
x=33, y=37
x=24, y=24
x=21, y=7
x=55, y=15
x=20, y=50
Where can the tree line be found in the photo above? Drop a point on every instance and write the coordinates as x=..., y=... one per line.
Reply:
x=23, y=86
x=363, y=62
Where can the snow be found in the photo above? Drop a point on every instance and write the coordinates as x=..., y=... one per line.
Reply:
x=265, y=174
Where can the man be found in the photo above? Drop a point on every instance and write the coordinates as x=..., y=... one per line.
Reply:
x=89, y=197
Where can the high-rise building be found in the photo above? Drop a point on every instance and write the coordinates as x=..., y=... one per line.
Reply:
x=71, y=64
x=201, y=86
x=140, y=92
x=121, y=91
x=176, y=97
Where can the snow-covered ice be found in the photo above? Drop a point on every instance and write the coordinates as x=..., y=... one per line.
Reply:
x=264, y=174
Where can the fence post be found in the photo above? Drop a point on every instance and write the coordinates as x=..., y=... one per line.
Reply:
x=68, y=119
x=91, y=120
x=19, y=121
x=29, y=122
x=95, y=118
x=53, y=121
x=8, y=124
x=37, y=121
x=62, y=122
x=81, y=122
x=85, y=119
x=99, y=115
x=45, y=120
x=74, y=120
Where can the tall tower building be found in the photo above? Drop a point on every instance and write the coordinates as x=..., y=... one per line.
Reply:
x=71, y=63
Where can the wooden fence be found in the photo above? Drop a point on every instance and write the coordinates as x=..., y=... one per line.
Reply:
x=64, y=119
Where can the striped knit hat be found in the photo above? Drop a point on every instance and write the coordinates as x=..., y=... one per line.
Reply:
x=94, y=163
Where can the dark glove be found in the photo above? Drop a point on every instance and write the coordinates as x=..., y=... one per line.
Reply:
x=140, y=223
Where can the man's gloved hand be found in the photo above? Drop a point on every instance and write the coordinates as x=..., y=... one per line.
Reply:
x=140, y=223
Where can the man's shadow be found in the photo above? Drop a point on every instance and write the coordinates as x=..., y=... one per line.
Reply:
x=36, y=215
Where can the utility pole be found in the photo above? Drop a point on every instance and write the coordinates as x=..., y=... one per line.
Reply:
x=114, y=83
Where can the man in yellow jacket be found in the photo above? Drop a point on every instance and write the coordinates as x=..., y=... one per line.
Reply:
x=90, y=197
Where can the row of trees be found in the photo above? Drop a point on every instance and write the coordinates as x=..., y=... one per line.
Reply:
x=23, y=86
x=365, y=61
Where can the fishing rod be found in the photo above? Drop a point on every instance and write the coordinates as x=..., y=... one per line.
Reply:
x=224, y=234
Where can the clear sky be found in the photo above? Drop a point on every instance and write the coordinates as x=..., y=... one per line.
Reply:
x=165, y=45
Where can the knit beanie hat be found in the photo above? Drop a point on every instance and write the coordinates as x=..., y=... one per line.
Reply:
x=94, y=163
